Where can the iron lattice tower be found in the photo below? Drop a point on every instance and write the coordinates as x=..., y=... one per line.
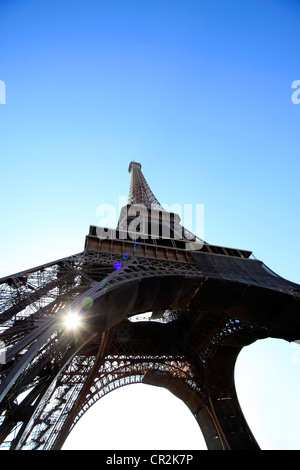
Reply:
x=207, y=303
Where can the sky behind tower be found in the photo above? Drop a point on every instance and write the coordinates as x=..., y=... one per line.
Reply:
x=200, y=93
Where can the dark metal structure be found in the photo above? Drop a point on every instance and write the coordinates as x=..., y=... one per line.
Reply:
x=206, y=302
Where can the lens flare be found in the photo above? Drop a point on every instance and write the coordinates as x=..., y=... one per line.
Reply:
x=117, y=265
x=87, y=302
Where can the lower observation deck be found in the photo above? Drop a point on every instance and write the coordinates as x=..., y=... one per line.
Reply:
x=121, y=242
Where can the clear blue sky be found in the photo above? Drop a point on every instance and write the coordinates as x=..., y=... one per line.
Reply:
x=197, y=91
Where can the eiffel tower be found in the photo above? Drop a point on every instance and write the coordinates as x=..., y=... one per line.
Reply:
x=204, y=303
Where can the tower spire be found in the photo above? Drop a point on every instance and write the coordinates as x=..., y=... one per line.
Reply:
x=139, y=190
x=141, y=194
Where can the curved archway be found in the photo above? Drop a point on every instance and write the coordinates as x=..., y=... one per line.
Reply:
x=136, y=417
x=267, y=380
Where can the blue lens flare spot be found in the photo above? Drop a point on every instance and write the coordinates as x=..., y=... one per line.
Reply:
x=125, y=255
x=117, y=265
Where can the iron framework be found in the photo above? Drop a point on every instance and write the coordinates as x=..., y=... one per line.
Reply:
x=205, y=304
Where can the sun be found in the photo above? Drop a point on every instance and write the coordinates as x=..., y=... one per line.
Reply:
x=72, y=320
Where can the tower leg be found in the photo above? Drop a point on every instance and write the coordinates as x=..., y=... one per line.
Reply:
x=223, y=407
x=209, y=429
